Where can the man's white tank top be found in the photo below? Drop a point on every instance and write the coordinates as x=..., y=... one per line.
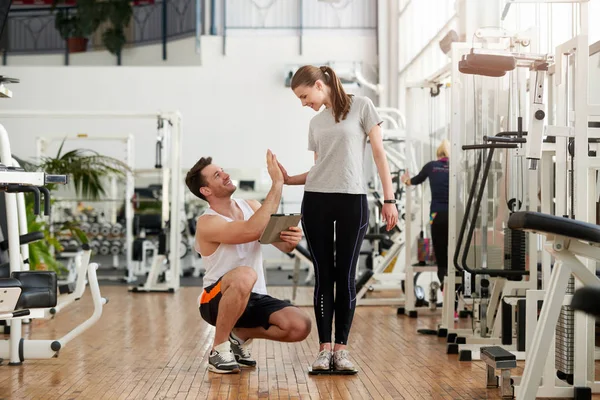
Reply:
x=230, y=256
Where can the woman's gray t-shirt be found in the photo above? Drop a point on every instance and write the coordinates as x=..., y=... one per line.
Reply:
x=340, y=148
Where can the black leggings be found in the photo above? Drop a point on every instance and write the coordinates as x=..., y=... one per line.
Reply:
x=439, y=236
x=350, y=212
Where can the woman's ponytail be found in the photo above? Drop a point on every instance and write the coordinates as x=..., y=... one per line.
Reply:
x=339, y=99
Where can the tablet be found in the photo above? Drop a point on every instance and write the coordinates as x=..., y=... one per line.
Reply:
x=277, y=224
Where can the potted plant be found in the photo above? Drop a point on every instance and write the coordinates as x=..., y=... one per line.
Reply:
x=86, y=170
x=118, y=13
x=75, y=26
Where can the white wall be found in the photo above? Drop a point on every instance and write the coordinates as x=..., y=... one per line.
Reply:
x=234, y=107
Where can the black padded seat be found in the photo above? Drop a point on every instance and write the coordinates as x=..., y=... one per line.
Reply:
x=587, y=299
x=39, y=289
x=546, y=223
x=24, y=239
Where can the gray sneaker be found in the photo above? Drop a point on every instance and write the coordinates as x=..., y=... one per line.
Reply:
x=222, y=363
x=241, y=352
x=341, y=361
x=323, y=361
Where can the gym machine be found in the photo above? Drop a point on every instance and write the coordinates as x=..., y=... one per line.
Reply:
x=429, y=297
x=104, y=232
x=561, y=342
x=171, y=183
x=27, y=294
x=382, y=270
x=494, y=300
x=165, y=270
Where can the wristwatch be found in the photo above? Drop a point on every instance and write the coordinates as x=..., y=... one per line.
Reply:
x=391, y=201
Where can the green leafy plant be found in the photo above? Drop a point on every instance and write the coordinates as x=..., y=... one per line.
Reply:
x=119, y=13
x=41, y=253
x=81, y=22
x=88, y=15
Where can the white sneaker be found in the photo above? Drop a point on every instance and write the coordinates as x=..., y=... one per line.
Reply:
x=323, y=361
x=223, y=363
x=341, y=361
x=241, y=352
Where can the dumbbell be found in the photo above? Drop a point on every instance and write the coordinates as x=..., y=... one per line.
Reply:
x=105, y=247
x=105, y=229
x=116, y=247
x=95, y=229
x=116, y=229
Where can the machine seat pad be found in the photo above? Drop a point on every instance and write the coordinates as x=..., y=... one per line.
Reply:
x=552, y=224
x=39, y=289
x=497, y=353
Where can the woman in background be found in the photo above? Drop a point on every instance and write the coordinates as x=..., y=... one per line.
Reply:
x=437, y=172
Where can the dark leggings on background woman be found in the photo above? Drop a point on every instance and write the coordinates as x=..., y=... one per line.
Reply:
x=439, y=237
x=350, y=213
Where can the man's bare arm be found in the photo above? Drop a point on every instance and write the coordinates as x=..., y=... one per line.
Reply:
x=218, y=230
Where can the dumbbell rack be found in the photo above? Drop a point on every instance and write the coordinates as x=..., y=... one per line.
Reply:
x=104, y=238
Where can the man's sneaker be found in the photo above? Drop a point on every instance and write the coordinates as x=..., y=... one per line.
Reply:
x=341, y=361
x=241, y=352
x=222, y=363
x=323, y=361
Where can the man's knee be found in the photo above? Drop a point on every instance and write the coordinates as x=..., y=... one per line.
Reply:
x=298, y=327
x=241, y=280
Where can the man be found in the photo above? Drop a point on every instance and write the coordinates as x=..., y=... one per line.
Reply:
x=234, y=297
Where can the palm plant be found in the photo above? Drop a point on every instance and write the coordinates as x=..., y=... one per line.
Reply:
x=86, y=171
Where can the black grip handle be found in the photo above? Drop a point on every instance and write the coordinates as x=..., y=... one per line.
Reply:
x=20, y=313
x=489, y=146
x=46, y=199
x=503, y=139
x=15, y=188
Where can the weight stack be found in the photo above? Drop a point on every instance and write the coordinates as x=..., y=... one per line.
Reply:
x=515, y=250
x=565, y=338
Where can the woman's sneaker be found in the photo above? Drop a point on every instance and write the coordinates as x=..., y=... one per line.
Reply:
x=323, y=361
x=241, y=352
x=223, y=363
x=341, y=361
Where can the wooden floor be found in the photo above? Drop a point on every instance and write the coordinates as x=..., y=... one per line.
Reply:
x=155, y=346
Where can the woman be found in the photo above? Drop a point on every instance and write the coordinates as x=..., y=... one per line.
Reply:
x=437, y=172
x=335, y=192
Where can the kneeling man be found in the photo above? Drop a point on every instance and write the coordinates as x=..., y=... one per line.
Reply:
x=234, y=297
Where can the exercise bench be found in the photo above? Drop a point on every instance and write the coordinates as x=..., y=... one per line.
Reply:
x=497, y=357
